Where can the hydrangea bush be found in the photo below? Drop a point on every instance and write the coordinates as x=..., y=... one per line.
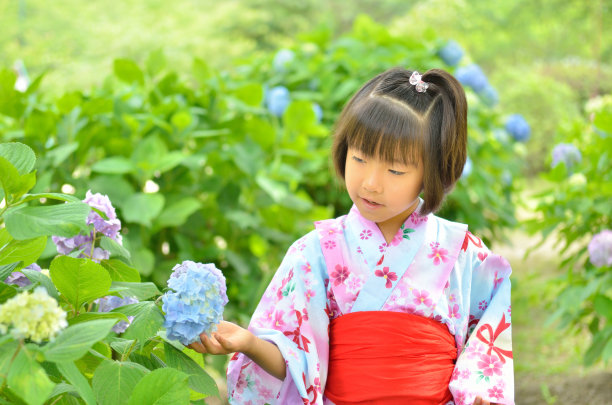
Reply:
x=575, y=207
x=86, y=331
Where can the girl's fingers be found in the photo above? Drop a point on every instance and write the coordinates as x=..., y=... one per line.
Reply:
x=198, y=347
x=478, y=401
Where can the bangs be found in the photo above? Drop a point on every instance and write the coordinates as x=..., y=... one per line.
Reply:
x=386, y=129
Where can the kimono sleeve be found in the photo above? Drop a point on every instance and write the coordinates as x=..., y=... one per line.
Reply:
x=291, y=314
x=485, y=365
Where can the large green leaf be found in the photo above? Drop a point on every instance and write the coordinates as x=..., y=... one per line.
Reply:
x=177, y=213
x=120, y=271
x=79, y=280
x=8, y=348
x=37, y=277
x=141, y=208
x=21, y=156
x=12, y=182
x=199, y=380
x=114, y=165
x=114, y=247
x=128, y=71
x=89, y=316
x=164, y=386
x=26, y=251
x=147, y=321
x=61, y=220
x=141, y=291
x=74, y=376
x=28, y=379
x=113, y=381
x=6, y=292
x=74, y=341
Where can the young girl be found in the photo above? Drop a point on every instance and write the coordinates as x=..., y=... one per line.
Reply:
x=388, y=304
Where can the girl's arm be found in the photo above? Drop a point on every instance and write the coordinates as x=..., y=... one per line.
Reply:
x=230, y=338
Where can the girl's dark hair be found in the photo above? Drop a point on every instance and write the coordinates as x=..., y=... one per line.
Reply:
x=387, y=117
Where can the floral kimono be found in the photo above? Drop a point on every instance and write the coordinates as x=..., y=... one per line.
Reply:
x=432, y=268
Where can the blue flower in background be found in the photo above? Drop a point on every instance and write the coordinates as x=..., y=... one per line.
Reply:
x=19, y=279
x=472, y=76
x=518, y=128
x=318, y=112
x=451, y=53
x=489, y=96
x=196, y=304
x=506, y=178
x=282, y=59
x=600, y=249
x=566, y=153
x=110, y=302
x=467, y=168
x=277, y=100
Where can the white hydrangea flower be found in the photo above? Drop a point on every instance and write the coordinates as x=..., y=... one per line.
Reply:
x=35, y=316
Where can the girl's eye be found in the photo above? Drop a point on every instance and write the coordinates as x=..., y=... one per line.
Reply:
x=356, y=159
x=395, y=172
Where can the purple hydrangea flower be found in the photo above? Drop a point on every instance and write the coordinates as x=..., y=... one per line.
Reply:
x=108, y=227
x=277, y=100
x=19, y=279
x=600, y=249
x=65, y=246
x=110, y=302
x=282, y=59
x=196, y=304
x=472, y=76
x=451, y=53
x=566, y=153
x=518, y=128
x=489, y=95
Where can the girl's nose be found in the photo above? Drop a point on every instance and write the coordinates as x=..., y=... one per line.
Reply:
x=372, y=181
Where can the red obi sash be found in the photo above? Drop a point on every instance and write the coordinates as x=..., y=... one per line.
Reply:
x=382, y=357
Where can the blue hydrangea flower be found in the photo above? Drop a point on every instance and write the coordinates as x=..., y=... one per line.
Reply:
x=318, y=112
x=110, y=302
x=489, y=96
x=19, y=279
x=451, y=53
x=600, y=249
x=472, y=76
x=506, y=178
x=196, y=304
x=277, y=100
x=282, y=59
x=518, y=128
x=467, y=168
x=566, y=153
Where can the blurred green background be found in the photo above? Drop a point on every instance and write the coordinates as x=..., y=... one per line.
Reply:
x=179, y=92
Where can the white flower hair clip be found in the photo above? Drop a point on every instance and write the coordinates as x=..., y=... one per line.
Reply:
x=415, y=80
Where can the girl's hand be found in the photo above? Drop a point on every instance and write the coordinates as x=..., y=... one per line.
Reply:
x=480, y=401
x=228, y=338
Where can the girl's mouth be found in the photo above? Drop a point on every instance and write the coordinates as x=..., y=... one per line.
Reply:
x=370, y=204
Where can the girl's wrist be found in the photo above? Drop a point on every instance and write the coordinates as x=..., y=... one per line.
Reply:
x=250, y=346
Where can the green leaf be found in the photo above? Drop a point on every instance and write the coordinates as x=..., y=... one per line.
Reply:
x=147, y=321
x=113, y=381
x=251, y=94
x=164, y=386
x=120, y=271
x=176, y=214
x=52, y=196
x=27, y=251
x=156, y=62
x=37, y=277
x=199, y=380
x=603, y=306
x=21, y=156
x=114, y=247
x=141, y=208
x=277, y=190
x=73, y=342
x=114, y=165
x=28, y=379
x=13, y=183
x=144, y=260
x=74, y=376
x=8, y=348
x=79, y=280
x=89, y=316
x=61, y=220
x=141, y=291
x=6, y=292
x=7, y=269
x=128, y=71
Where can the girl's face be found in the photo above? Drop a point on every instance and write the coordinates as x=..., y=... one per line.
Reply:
x=384, y=192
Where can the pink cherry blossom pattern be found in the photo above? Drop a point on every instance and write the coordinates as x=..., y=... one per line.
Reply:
x=330, y=244
x=422, y=297
x=382, y=247
x=340, y=274
x=482, y=256
x=309, y=294
x=482, y=305
x=438, y=254
x=453, y=311
x=489, y=365
x=306, y=268
x=279, y=321
x=497, y=281
x=365, y=234
x=496, y=392
x=387, y=275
